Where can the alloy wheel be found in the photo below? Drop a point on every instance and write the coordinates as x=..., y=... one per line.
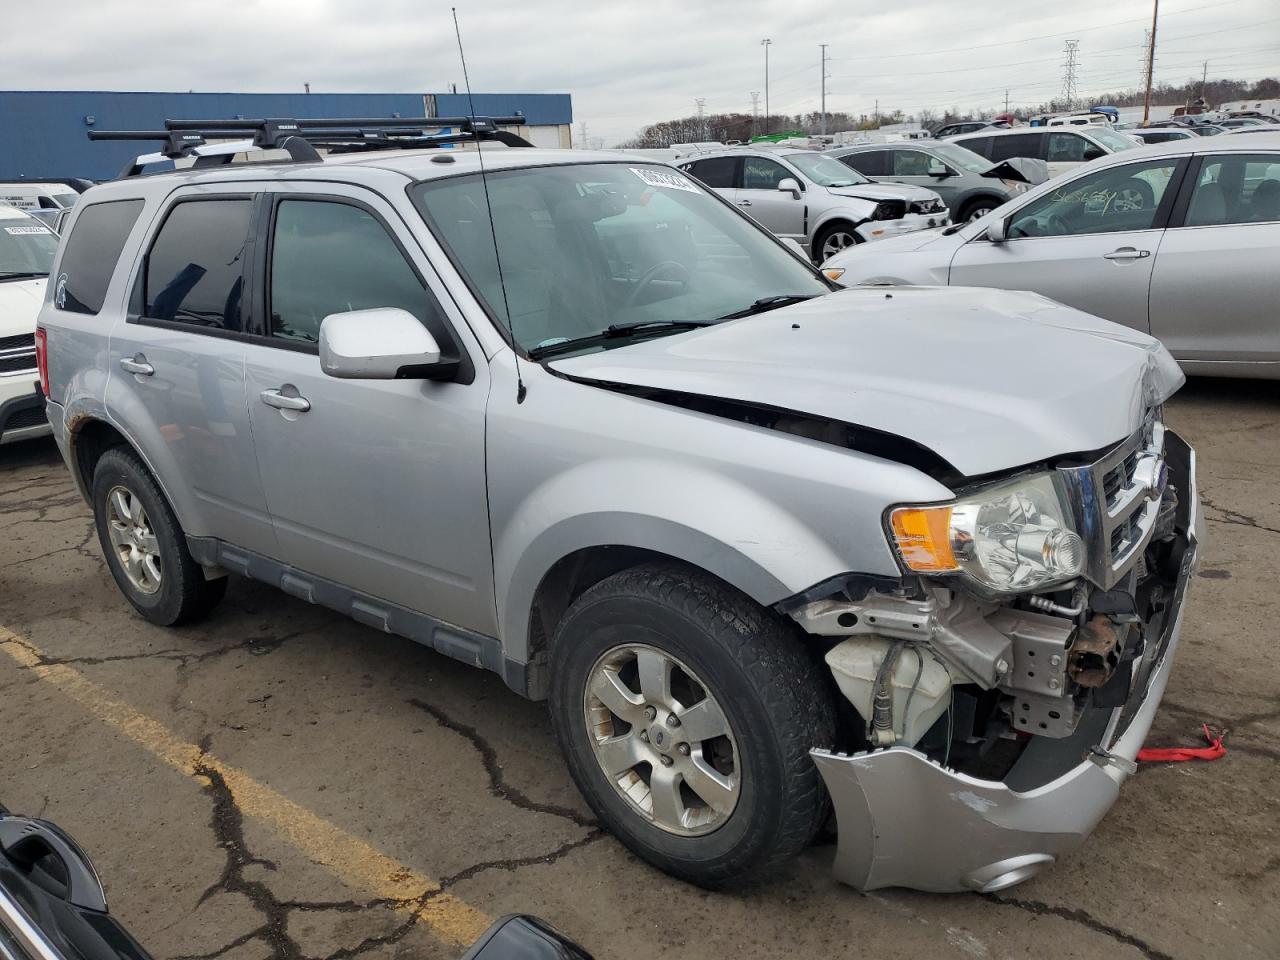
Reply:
x=836, y=242
x=133, y=540
x=662, y=739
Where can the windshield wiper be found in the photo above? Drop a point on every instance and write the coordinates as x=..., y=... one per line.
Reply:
x=613, y=332
x=22, y=275
x=954, y=228
x=765, y=304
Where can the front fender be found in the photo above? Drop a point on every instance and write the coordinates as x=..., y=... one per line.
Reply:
x=747, y=540
x=851, y=210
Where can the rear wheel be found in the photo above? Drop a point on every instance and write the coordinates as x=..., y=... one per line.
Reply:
x=145, y=548
x=686, y=713
x=834, y=238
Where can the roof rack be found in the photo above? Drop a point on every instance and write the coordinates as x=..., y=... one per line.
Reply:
x=190, y=138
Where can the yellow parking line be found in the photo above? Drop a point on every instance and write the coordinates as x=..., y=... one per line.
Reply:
x=353, y=861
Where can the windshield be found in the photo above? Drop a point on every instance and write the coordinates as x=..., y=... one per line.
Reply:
x=958, y=156
x=588, y=246
x=26, y=247
x=1113, y=141
x=825, y=171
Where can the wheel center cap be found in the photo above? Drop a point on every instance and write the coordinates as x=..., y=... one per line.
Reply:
x=660, y=737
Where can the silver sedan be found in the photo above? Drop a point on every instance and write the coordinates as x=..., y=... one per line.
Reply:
x=1176, y=240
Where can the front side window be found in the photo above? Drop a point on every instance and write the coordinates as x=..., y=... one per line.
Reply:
x=583, y=247
x=761, y=173
x=1108, y=201
x=195, y=269
x=716, y=172
x=1237, y=188
x=1066, y=148
x=27, y=247
x=91, y=253
x=329, y=257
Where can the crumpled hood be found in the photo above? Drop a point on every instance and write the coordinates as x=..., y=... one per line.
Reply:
x=883, y=191
x=20, y=302
x=987, y=379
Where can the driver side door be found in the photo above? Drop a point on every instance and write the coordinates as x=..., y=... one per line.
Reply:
x=759, y=197
x=1090, y=243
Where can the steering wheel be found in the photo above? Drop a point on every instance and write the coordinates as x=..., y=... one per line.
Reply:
x=651, y=275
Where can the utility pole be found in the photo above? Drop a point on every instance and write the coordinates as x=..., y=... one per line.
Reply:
x=1204, y=79
x=755, y=111
x=1006, y=101
x=824, y=87
x=1151, y=63
x=766, y=43
x=1069, y=74
x=702, y=122
x=876, y=118
x=582, y=134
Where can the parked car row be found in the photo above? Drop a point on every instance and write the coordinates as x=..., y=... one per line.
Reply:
x=27, y=248
x=1176, y=240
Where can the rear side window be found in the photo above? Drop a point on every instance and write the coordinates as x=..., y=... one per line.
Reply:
x=195, y=270
x=92, y=251
x=333, y=257
x=715, y=172
x=979, y=145
x=873, y=163
x=1018, y=145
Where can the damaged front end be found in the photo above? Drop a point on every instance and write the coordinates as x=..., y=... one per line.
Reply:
x=1000, y=724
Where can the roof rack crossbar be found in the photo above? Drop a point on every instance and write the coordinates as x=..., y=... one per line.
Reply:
x=300, y=137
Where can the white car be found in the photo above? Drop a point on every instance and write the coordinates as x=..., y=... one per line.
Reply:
x=1062, y=148
x=27, y=247
x=1176, y=240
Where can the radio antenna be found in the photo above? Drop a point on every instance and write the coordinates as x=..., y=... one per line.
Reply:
x=484, y=181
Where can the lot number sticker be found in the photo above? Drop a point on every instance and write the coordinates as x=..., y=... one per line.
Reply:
x=18, y=231
x=668, y=179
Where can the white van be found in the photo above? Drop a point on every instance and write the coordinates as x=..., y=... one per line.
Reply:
x=1062, y=148
x=38, y=195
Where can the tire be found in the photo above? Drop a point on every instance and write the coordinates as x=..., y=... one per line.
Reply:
x=167, y=587
x=775, y=700
x=834, y=234
x=978, y=207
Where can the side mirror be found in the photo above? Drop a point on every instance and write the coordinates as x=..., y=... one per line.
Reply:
x=997, y=232
x=385, y=343
x=938, y=169
x=790, y=185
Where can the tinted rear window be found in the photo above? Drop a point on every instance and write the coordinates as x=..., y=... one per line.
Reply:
x=92, y=251
x=195, y=270
x=979, y=145
x=715, y=172
x=1015, y=145
x=873, y=163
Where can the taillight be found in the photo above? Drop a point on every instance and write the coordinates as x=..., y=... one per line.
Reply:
x=42, y=359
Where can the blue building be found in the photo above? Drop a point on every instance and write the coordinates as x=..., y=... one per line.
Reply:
x=43, y=132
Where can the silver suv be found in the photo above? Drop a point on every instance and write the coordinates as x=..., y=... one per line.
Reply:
x=761, y=544
x=815, y=200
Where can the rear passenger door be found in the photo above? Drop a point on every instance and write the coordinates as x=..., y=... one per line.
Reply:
x=376, y=485
x=176, y=380
x=1215, y=291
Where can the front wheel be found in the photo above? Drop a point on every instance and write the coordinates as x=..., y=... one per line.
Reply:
x=976, y=209
x=686, y=713
x=831, y=240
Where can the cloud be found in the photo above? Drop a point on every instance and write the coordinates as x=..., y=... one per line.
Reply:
x=627, y=64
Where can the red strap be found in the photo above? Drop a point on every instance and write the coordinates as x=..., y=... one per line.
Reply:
x=1213, y=751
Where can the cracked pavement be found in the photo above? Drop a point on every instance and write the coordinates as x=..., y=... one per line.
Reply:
x=439, y=767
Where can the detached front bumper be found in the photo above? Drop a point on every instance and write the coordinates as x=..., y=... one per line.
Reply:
x=883, y=229
x=906, y=821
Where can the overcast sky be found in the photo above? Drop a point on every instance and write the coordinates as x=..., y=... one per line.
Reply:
x=627, y=64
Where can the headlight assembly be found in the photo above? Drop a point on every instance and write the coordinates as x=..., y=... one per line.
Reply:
x=1009, y=538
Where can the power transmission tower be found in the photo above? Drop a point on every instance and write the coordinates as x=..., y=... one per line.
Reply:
x=702, y=122
x=755, y=111
x=1069, y=74
x=824, y=87
x=1151, y=63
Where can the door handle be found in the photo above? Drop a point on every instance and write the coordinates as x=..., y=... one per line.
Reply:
x=1126, y=253
x=137, y=365
x=274, y=398
x=744, y=203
